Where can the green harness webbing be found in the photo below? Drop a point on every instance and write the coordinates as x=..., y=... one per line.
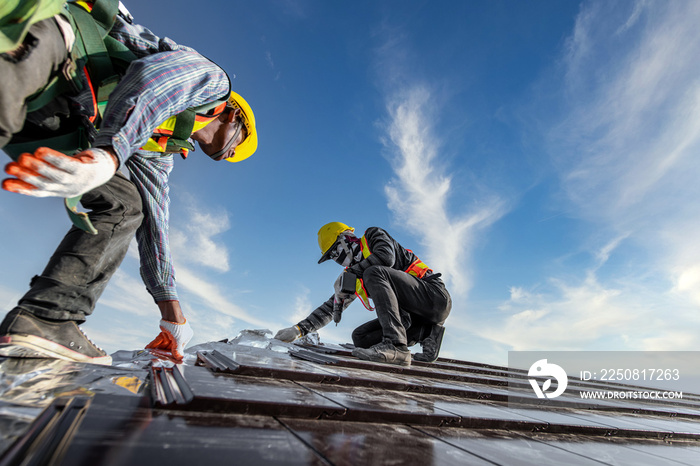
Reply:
x=93, y=49
x=184, y=124
x=102, y=55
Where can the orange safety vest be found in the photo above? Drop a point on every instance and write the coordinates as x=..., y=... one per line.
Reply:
x=418, y=269
x=165, y=137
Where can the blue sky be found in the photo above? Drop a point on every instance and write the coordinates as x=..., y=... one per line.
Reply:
x=541, y=155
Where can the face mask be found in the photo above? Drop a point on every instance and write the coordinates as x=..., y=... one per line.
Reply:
x=345, y=254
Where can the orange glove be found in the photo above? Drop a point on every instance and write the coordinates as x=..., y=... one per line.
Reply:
x=47, y=172
x=172, y=339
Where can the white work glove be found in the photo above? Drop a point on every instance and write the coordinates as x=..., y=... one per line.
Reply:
x=172, y=339
x=288, y=334
x=341, y=300
x=47, y=172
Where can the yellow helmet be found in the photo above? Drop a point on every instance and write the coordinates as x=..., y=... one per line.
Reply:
x=328, y=235
x=250, y=143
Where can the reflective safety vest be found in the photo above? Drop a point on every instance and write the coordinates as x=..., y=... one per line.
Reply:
x=172, y=135
x=417, y=268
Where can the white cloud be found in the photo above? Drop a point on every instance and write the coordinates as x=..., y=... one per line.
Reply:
x=420, y=192
x=200, y=258
x=195, y=242
x=128, y=294
x=687, y=283
x=9, y=298
x=628, y=150
x=302, y=306
x=212, y=296
x=589, y=316
x=628, y=144
x=625, y=147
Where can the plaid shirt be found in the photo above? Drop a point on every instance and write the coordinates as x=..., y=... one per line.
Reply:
x=166, y=79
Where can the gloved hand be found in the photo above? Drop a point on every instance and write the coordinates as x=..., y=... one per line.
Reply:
x=341, y=300
x=47, y=172
x=172, y=339
x=289, y=334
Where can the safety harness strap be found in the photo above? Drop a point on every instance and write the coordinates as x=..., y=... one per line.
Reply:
x=184, y=123
x=104, y=12
x=94, y=50
x=92, y=37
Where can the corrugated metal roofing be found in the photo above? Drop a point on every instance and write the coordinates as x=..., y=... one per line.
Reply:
x=259, y=401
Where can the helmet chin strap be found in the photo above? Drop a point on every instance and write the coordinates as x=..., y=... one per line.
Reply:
x=228, y=145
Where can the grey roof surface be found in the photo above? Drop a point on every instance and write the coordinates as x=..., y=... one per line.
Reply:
x=255, y=400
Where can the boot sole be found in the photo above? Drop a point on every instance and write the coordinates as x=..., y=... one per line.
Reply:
x=30, y=346
x=402, y=363
x=359, y=355
x=438, y=344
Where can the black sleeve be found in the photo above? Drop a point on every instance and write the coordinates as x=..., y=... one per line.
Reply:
x=382, y=248
x=319, y=318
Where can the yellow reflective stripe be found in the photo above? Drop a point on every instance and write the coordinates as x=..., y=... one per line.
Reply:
x=362, y=294
x=84, y=4
x=169, y=125
x=418, y=268
x=152, y=145
x=364, y=247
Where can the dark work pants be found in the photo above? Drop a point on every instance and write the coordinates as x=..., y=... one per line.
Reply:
x=81, y=266
x=394, y=291
x=370, y=333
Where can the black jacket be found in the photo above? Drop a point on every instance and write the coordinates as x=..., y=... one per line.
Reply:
x=385, y=251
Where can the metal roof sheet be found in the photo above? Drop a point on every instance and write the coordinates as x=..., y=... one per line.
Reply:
x=254, y=400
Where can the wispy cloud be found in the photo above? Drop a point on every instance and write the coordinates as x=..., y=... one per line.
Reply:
x=421, y=192
x=632, y=126
x=195, y=241
x=128, y=294
x=212, y=296
x=625, y=145
x=8, y=297
x=592, y=315
x=201, y=258
x=302, y=306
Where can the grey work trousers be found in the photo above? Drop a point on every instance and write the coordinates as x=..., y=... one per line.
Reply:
x=394, y=291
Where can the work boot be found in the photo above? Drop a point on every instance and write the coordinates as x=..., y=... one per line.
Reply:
x=384, y=352
x=24, y=335
x=431, y=344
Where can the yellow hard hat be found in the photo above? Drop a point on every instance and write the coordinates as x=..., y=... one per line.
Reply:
x=328, y=235
x=250, y=143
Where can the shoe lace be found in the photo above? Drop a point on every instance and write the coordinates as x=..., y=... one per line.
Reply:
x=88, y=339
x=385, y=344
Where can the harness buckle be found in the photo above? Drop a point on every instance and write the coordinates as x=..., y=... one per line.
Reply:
x=68, y=70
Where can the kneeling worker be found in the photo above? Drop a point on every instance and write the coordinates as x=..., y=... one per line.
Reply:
x=411, y=300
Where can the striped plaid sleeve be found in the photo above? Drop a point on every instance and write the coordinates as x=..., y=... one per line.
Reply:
x=155, y=88
x=150, y=175
x=140, y=40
